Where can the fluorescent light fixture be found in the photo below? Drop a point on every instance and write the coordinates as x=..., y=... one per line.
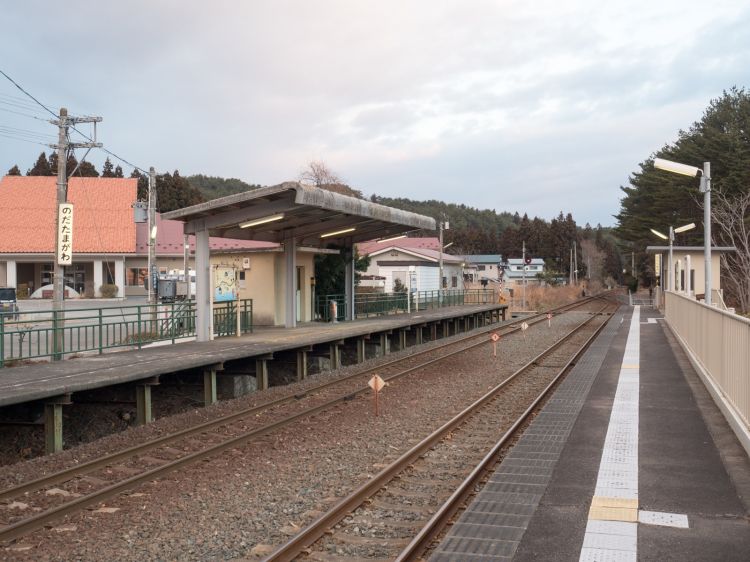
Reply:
x=337, y=232
x=686, y=227
x=153, y=232
x=391, y=238
x=676, y=167
x=263, y=220
x=659, y=234
x=448, y=245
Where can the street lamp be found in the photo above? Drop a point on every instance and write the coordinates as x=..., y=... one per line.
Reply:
x=672, y=231
x=705, y=188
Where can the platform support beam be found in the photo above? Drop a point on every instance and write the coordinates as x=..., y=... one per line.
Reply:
x=385, y=344
x=209, y=383
x=203, y=328
x=361, y=350
x=446, y=328
x=53, y=423
x=290, y=254
x=433, y=331
x=335, y=355
x=402, y=339
x=418, y=335
x=301, y=364
x=143, y=410
x=261, y=372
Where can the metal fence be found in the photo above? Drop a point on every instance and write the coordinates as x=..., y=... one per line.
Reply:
x=720, y=342
x=379, y=304
x=49, y=333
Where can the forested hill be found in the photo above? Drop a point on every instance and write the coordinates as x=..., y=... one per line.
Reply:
x=212, y=187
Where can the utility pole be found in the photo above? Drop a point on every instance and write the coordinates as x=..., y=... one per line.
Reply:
x=442, y=225
x=575, y=261
x=523, y=266
x=151, y=236
x=186, y=267
x=58, y=282
x=570, y=264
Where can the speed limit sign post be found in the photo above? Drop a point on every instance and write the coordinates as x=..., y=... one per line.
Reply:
x=495, y=337
x=549, y=319
x=524, y=327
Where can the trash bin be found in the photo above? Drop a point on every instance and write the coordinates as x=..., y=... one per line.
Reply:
x=333, y=310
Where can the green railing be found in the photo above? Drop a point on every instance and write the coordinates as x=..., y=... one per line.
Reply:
x=48, y=333
x=378, y=304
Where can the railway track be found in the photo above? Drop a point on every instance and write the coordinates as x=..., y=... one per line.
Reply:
x=398, y=512
x=92, y=482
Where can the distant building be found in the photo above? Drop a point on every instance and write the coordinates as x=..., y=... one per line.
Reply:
x=515, y=271
x=483, y=266
x=689, y=267
x=395, y=260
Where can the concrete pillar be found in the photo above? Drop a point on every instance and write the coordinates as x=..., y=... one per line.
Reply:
x=402, y=339
x=361, y=350
x=261, y=373
x=301, y=365
x=349, y=282
x=433, y=331
x=209, y=385
x=143, y=411
x=385, y=344
x=11, y=276
x=335, y=356
x=446, y=328
x=53, y=419
x=98, y=277
x=203, y=320
x=120, y=277
x=418, y=335
x=290, y=295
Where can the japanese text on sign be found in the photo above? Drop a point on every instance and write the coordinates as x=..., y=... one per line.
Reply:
x=65, y=234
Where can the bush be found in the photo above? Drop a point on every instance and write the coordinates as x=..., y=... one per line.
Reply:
x=108, y=291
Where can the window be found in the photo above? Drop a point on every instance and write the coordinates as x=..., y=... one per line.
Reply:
x=135, y=276
x=454, y=281
x=480, y=268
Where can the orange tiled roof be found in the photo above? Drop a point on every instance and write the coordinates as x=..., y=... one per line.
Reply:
x=102, y=223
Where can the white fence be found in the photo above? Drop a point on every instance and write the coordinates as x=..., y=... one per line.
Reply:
x=718, y=344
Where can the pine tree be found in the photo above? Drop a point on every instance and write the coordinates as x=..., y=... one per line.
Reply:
x=14, y=171
x=118, y=172
x=42, y=167
x=108, y=169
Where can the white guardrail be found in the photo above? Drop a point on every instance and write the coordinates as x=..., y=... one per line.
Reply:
x=718, y=344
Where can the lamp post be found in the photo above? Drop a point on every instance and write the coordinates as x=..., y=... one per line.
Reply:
x=672, y=231
x=705, y=188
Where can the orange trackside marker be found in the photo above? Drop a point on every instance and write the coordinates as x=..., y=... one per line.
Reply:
x=376, y=384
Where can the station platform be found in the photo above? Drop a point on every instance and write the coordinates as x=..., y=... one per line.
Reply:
x=43, y=381
x=630, y=459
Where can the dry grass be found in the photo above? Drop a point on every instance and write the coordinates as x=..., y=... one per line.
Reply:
x=543, y=298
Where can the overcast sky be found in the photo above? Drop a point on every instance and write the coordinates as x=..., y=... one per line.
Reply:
x=529, y=106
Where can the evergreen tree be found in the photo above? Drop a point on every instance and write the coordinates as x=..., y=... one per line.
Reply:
x=42, y=167
x=14, y=171
x=108, y=170
x=118, y=172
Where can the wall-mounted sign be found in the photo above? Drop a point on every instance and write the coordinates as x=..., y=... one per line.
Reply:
x=65, y=234
x=246, y=263
x=225, y=284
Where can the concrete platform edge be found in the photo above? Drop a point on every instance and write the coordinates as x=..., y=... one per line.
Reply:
x=730, y=414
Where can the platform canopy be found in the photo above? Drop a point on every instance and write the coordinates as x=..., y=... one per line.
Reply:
x=294, y=215
x=313, y=216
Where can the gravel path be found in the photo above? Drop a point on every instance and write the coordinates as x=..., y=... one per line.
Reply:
x=254, y=497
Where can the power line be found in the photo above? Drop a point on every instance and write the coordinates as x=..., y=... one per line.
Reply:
x=40, y=104
x=24, y=114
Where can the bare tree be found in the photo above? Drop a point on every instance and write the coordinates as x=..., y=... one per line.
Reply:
x=319, y=175
x=732, y=215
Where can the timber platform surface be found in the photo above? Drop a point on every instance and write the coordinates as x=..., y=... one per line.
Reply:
x=42, y=380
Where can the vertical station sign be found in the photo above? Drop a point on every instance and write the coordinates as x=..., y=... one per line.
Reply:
x=65, y=234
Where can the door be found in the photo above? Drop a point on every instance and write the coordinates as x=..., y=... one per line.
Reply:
x=298, y=291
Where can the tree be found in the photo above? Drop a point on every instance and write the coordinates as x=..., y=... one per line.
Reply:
x=14, y=171
x=658, y=199
x=118, y=172
x=41, y=167
x=732, y=215
x=319, y=175
x=330, y=272
x=108, y=170
x=86, y=170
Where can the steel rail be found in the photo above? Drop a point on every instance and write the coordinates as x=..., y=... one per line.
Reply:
x=450, y=507
x=292, y=548
x=24, y=526
x=101, y=462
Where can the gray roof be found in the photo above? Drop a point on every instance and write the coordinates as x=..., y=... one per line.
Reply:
x=484, y=258
x=308, y=212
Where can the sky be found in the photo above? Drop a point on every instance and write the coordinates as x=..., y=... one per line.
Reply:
x=530, y=107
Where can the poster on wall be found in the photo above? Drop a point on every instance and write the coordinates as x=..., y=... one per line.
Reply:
x=225, y=284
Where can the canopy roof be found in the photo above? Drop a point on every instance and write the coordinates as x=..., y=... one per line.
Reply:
x=308, y=214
